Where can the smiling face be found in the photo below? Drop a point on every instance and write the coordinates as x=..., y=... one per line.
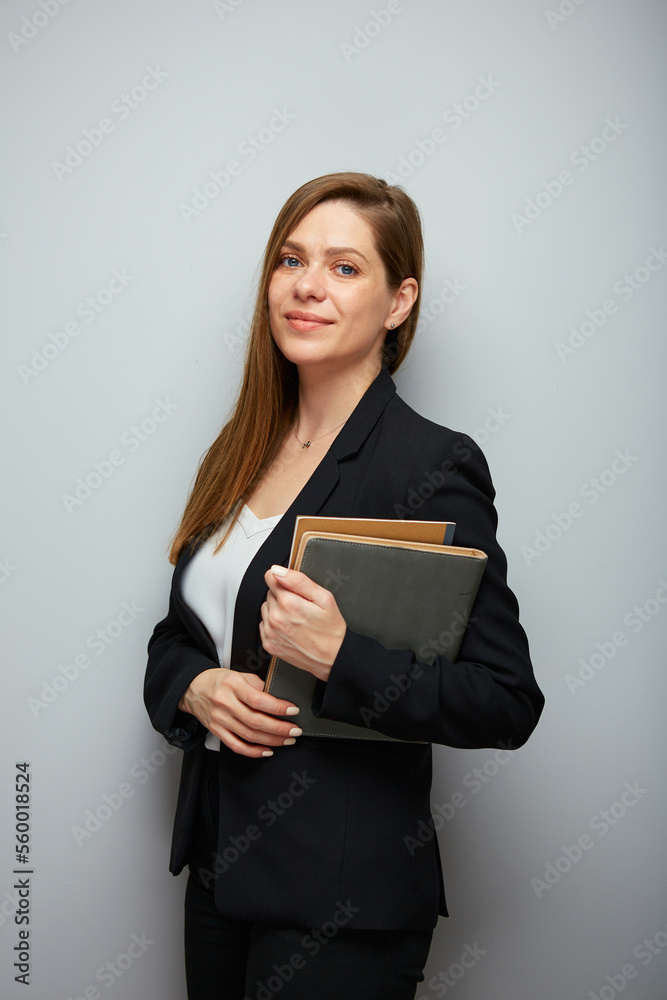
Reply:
x=329, y=302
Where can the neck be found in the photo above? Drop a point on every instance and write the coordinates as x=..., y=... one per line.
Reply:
x=327, y=400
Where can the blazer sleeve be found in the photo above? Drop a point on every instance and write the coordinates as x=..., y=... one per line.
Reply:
x=174, y=660
x=489, y=697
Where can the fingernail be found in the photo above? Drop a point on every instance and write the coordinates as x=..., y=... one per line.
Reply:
x=293, y=711
x=279, y=571
x=267, y=753
x=288, y=743
x=295, y=732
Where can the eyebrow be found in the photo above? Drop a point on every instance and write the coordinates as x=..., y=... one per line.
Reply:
x=331, y=252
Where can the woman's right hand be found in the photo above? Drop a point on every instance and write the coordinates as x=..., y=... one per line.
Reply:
x=234, y=706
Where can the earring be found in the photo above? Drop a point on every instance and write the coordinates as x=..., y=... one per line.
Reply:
x=392, y=326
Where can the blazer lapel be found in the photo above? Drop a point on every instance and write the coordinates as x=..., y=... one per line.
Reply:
x=247, y=653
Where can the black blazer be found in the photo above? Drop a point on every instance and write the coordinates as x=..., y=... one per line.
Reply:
x=329, y=821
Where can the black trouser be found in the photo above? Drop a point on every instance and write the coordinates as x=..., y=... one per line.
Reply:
x=238, y=960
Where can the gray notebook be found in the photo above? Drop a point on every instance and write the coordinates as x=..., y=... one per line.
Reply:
x=407, y=595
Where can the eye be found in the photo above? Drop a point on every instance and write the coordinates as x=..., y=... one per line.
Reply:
x=289, y=261
x=346, y=270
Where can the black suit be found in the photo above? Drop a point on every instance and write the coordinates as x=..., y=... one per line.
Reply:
x=325, y=820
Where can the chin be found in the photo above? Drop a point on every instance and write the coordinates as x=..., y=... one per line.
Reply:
x=302, y=352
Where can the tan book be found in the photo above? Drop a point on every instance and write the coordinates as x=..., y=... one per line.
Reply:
x=441, y=532
x=408, y=593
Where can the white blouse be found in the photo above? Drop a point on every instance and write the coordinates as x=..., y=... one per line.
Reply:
x=210, y=583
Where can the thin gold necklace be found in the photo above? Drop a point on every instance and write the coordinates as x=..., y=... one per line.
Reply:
x=307, y=444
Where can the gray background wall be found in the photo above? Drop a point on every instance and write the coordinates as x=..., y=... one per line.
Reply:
x=545, y=225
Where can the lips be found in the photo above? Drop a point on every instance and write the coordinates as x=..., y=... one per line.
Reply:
x=306, y=321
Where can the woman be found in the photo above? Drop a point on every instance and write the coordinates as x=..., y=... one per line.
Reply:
x=304, y=875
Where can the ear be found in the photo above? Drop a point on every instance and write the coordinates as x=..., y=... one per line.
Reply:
x=403, y=301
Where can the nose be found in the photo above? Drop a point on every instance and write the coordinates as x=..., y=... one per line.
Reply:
x=309, y=283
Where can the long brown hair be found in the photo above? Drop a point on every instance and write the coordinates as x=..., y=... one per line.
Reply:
x=268, y=398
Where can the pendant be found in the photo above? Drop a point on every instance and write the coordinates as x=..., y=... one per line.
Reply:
x=306, y=445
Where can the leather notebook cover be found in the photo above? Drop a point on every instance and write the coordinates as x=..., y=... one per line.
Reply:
x=405, y=594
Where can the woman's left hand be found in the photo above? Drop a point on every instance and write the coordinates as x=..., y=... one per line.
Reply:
x=301, y=622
